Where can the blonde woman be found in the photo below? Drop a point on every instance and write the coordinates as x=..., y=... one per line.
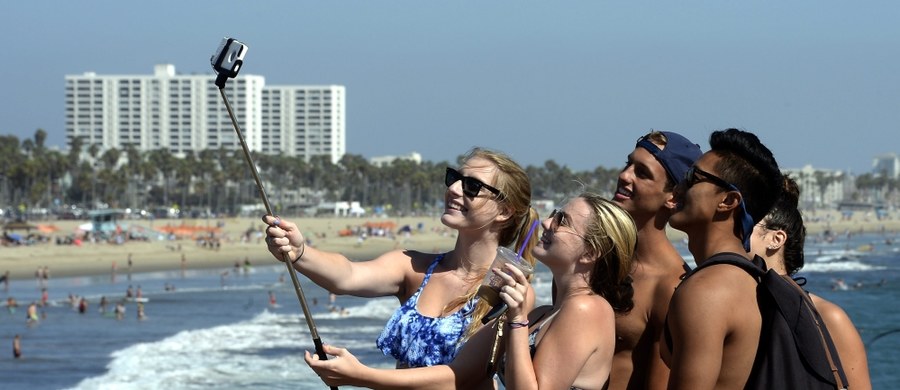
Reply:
x=488, y=203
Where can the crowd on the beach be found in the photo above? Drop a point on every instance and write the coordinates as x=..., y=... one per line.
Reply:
x=626, y=312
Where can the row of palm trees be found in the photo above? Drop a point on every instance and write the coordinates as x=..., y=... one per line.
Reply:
x=219, y=180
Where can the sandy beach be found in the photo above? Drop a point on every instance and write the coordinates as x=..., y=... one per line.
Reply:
x=237, y=245
x=240, y=239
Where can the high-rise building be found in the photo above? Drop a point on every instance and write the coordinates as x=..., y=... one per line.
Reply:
x=303, y=120
x=886, y=164
x=185, y=113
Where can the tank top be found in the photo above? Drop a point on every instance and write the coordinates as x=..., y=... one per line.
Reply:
x=416, y=340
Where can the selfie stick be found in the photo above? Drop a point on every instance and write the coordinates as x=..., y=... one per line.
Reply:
x=223, y=75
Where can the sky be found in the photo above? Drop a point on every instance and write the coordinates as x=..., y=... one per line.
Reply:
x=576, y=82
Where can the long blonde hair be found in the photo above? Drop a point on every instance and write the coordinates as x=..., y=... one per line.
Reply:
x=515, y=187
x=611, y=238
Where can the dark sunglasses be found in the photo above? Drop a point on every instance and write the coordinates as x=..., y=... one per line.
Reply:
x=692, y=176
x=557, y=219
x=470, y=185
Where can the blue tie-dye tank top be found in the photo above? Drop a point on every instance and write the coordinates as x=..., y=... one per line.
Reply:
x=419, y=341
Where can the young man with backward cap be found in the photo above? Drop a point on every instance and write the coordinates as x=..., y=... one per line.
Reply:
x=645, y=189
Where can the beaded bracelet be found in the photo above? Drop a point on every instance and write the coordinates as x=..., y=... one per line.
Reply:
x=517, y=325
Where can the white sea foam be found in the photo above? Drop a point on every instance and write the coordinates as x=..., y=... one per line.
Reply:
x=850, y=265
x=263, y=352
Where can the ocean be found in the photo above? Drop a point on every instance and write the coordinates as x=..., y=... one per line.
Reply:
x=220, y=331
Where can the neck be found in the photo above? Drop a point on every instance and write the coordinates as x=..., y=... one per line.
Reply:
x=569, y=284
x=708, y=243
x=655, y=247
x=472, y=256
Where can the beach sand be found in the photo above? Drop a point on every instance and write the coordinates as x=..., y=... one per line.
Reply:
x=165, y=254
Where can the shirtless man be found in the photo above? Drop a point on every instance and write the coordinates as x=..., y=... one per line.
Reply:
x=658, y=162
x=712, y=332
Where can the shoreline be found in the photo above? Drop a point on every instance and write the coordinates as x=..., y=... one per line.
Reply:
x=241, y=239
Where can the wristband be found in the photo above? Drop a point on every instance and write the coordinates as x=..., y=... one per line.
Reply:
x=517, y=325
x=302, y=251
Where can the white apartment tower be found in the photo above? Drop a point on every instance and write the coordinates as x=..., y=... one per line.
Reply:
x=302, y=120
x=185, y=113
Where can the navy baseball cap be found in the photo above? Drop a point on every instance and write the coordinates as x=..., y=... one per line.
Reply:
x=678, y=155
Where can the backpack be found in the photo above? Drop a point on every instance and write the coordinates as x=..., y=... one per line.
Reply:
x=795, y=349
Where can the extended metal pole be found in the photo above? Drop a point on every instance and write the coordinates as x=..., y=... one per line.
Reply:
x=262, y=194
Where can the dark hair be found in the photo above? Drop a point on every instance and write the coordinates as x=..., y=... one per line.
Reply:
x=751, y=167
x=611, y=236
x=786, y=217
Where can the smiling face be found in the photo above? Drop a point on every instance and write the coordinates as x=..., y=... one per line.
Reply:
x=463, y=212
x=641, y=188
x=563, y=237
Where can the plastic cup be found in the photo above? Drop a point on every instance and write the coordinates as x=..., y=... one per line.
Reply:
x=490, y=286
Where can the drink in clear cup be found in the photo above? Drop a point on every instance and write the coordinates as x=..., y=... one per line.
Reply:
x=490, y=286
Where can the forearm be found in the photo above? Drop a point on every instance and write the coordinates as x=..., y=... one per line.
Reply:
x=331, y=271
x=427, y=378
x=519, y=367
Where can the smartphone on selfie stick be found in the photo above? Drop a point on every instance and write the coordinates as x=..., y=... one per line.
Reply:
x=227, y=62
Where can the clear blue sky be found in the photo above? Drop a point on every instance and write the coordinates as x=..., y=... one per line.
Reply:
x=575, y=81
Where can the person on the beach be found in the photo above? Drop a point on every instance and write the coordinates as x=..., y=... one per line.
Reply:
x=11, y=305
x=82, y=305
x=45, y=297
x=488, y=202
x=32, y=314
x=120, y=310
x=588, y=246
x=713, y=328
x=779, y=240
x=272, y=301
x=645, y=190
x=17, y=347
x=5, y=280
x=103, y=303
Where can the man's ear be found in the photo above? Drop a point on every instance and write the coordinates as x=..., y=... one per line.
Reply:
x=732, y=201
x=670, y=203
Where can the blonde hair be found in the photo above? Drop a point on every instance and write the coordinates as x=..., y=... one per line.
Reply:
x=611, y=236
x=515, y=190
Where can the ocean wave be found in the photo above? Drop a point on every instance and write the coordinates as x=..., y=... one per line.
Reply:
x=263, y=352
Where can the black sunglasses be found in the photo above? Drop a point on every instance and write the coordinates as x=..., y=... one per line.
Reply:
x=470, y=185
x=691, y=177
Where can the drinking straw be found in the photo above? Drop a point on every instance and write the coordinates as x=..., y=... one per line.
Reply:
x=527, y=237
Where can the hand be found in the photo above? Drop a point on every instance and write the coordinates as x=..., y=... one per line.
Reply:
x=283, y=237
x=513, y=292
x=343, y=370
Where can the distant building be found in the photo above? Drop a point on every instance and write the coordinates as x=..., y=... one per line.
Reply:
x=304, y=120
x=381, y=161
x=185, y=113
x=888, y=164
x=821, y=187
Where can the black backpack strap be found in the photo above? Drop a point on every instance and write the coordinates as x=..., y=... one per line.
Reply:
x=756, y=268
